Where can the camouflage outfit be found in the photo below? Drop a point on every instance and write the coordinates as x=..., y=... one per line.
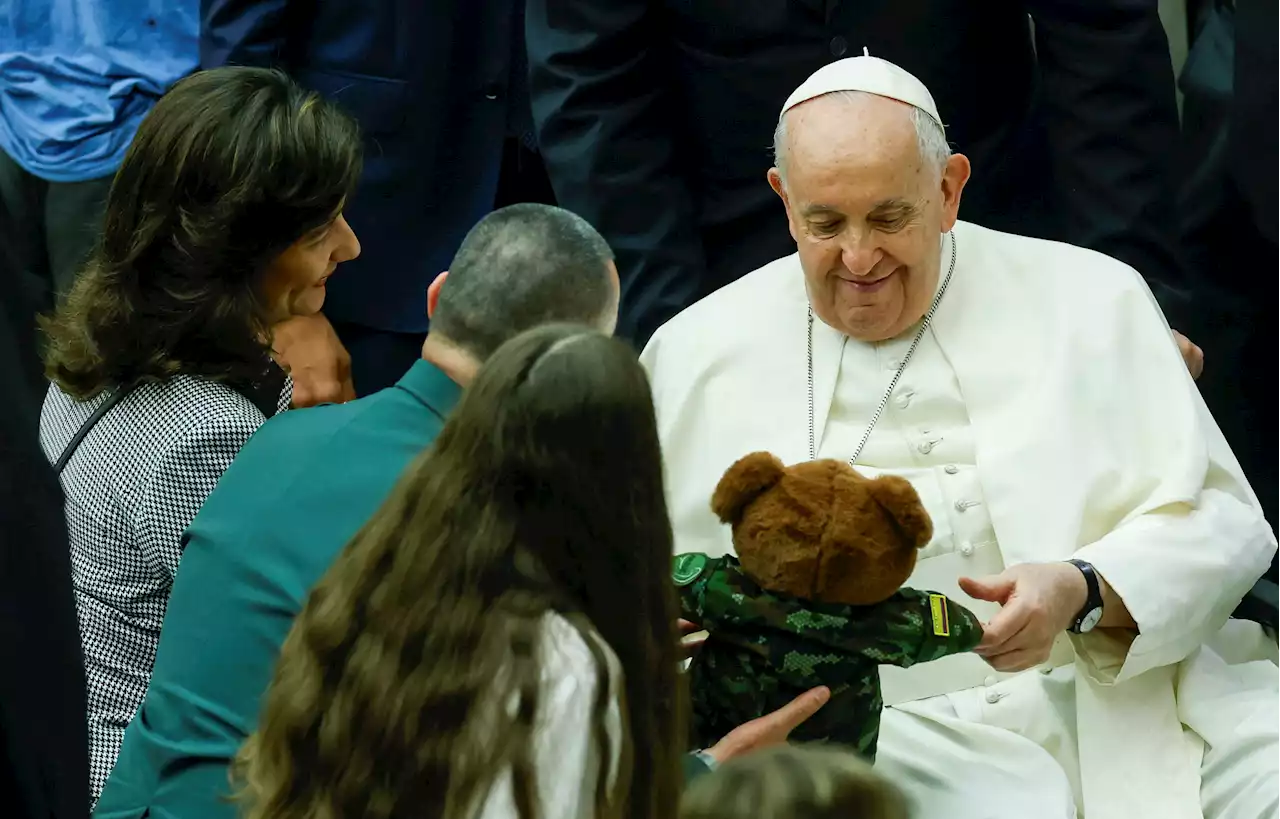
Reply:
x=766, y=649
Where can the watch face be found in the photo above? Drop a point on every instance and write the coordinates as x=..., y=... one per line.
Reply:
x=1090, y=620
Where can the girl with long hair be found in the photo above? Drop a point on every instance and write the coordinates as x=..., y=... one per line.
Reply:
x=500, y=639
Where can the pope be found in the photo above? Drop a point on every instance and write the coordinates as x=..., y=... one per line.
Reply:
x=1085, y=505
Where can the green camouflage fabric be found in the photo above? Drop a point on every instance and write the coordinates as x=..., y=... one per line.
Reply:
x=766, y=649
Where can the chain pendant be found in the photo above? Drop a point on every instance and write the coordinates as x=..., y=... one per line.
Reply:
x=888, y=393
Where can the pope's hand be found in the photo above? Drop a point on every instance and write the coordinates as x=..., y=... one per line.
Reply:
x=1038, y=601
x=1191, y=354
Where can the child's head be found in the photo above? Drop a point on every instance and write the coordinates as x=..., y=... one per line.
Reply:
x=795, y=782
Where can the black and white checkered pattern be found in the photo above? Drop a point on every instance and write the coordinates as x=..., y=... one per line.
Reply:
x=132, y=487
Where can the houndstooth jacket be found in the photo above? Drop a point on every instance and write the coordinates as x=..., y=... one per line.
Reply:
x=132, y=487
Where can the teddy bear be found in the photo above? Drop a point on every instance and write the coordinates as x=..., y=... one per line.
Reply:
x=813, y=597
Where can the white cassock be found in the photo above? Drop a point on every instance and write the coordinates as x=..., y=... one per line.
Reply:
x=1046, y=414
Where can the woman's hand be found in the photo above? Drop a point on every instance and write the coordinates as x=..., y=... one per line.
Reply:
x=309, y=350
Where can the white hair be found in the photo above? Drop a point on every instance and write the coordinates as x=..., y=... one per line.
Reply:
x=931, y=138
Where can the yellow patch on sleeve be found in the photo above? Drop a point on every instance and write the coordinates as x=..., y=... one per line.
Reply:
x=941, y=622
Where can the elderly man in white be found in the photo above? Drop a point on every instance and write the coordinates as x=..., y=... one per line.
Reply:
x=1085, y=504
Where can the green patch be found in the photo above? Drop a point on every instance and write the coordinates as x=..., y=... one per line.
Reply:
x=688, y=567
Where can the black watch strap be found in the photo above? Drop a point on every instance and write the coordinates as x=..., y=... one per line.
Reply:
x=1093, y=600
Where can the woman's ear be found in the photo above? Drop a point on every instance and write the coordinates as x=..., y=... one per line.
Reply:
x=745, y=481
x=898, y=497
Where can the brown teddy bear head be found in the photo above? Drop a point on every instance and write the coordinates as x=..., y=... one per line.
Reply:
x=820, y=531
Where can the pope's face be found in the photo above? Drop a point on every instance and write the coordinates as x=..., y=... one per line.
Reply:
x=866, y=213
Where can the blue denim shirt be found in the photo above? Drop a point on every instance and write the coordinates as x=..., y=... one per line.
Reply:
x=77, y=76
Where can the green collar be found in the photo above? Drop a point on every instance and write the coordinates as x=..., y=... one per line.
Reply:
x=428, y=383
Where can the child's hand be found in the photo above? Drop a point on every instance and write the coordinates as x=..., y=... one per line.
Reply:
x=771, y=729
x=691, y=637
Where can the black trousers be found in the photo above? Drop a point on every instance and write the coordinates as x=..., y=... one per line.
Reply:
x=380, y=357
x=50, y=226
x=47, y=230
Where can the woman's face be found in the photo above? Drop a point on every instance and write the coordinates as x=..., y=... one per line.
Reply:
x=295, y=281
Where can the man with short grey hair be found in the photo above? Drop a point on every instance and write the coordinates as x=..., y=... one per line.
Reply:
x=308, y=480
x=523, y=266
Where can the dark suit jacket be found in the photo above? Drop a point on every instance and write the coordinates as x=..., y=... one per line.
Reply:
x=655, y=119
x=44, y=747
x=1254, y=138
x=428, y=81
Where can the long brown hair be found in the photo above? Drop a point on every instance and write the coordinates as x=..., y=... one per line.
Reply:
x=542, y=494
x=794, y=782
x=231, y=167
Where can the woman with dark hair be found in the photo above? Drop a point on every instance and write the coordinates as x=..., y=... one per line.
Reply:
x=500, y=639
x=224, y=220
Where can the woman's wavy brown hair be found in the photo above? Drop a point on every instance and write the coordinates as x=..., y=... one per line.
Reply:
x=229, y=169
x=542, y=494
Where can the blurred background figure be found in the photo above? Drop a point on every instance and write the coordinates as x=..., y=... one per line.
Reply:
x=440, y=92
x=76, y=78
x=1228, y=207
x=655, y=119
x=44, y=769
x=795, y=782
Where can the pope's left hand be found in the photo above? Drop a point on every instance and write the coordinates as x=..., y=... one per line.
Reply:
x=1038, y=601
x=1192, y=355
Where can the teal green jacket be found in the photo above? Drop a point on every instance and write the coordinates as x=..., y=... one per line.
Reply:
x=293, y=497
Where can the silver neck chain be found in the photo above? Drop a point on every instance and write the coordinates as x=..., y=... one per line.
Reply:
x=888, y=393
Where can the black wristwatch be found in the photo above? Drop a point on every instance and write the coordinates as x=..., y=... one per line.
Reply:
x=1089, y=616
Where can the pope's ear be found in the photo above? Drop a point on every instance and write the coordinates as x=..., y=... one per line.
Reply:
x=898, y=497
x=780, y=188
x=744, y=482
x=954, y=177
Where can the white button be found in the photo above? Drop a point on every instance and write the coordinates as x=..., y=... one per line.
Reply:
x=1046, y=669
x=893, y=363
x=993, y=697
x=951, y=469
x=966, y=549
x=990, y=681
x=904, y=400
x=961, y=505
x=925, y=448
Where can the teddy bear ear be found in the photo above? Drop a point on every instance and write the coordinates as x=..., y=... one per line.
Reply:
x=745, y=481
x=899, y=499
